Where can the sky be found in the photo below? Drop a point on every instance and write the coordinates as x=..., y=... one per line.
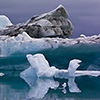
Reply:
x=84, y=14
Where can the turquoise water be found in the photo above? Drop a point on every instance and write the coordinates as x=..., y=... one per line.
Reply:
x=12, y=87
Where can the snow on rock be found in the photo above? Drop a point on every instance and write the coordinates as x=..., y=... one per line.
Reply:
x=4, y=21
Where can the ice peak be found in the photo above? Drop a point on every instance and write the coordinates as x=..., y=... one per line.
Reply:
x=60, y=6
x=60, y=10
x=4, y=21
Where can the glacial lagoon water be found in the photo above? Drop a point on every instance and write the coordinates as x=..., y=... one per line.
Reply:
x=14, y=88
x=85, y=16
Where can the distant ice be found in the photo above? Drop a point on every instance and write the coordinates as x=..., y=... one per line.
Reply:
x=4, y=21
x=23, y=43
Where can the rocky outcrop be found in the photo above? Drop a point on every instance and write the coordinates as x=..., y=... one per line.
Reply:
x=52, y=24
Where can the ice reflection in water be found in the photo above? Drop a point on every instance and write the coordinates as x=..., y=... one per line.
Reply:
x=40, y=86
x=14, y=88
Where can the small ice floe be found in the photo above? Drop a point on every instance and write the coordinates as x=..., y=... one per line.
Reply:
x=64, y=85
x=1, y=74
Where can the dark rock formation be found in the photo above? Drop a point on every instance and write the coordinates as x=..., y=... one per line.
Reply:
x=52, y=24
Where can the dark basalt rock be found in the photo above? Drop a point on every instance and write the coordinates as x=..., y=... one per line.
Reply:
x=52, y=24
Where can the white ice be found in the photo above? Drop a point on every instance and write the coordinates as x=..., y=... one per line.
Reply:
x=4, y=21
x=23, y=43
x=39, y=76
x=1, y=74
x=41, y=65
x=43, y=69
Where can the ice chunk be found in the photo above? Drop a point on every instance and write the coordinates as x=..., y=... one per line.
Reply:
x=43, y=69
x=64, y=85
x=4, y=21
x=41, y=65
x=90, y=73
x=73, y=65
x=1, y=74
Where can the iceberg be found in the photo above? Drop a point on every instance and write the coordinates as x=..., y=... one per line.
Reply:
x=42, y=68
x=23, y=43
x=52, y=24
x=4, y=22
x=39, y=76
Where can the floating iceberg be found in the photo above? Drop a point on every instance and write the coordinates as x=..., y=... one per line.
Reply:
x=52, y=24
x=4, y=21
x=23, y=43
x=42, y=68
x=39, y=76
